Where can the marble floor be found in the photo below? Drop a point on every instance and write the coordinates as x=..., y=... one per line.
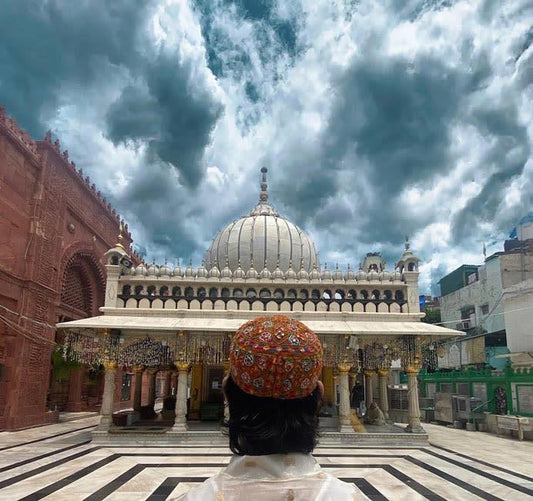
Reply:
x=59, y=462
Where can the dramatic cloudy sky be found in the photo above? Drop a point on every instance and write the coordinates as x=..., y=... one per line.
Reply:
x=376, y=119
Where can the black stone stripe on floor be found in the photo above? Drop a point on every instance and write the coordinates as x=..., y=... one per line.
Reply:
x=413, y=484
x=353, y=465
x=450, y=478
x=176, y=454
x=325, y=455
x=184, y=465
x=50, y=489
x=42, y=456
x=116, y=483
x=485, y=463
x=485, y=474
x=166, y=487
x=366, y=488
x=46, y=467
x=47, y=438
x=229, y=454
x=164, y=490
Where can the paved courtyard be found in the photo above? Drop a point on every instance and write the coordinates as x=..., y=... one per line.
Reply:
x=59, y=462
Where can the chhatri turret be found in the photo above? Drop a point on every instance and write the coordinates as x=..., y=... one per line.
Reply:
x=408, y=267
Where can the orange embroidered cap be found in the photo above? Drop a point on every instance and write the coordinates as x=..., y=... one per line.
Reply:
x=276, y=356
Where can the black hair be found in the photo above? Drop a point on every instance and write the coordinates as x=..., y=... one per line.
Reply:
x=260, y=426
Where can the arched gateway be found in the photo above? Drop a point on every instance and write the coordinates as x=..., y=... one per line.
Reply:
x=179, y=322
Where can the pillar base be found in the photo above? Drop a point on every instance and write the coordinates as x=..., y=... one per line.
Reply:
x=346, y=428
x=179, y=427
x=416, y=429
x=105, y=423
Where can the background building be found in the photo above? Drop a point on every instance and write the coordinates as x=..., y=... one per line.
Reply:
x=493, y=304
x=54, y=229
x=479, y=300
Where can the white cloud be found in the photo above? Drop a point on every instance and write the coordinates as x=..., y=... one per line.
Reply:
x=278, y=76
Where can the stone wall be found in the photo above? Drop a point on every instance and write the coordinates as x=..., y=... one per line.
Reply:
x=52, y=221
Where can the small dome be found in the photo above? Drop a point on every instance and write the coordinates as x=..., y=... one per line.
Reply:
x=373, y=275
x=140, y=270
x=214, y=272
x=226, y=272
x=252, y=272
x=350, y=275
x=152, y=270
x=385, y=276
x=302, y=274
x=178, y=271
x=315, y=274
x=337, y=274
x=397, y=277
x=361, y=275
x=326, y=274
x=201, y=272
x=189, y=271
x=278, y=274
x=291, y=274
x=239, y=272
x=265, y=273
x=165, y=271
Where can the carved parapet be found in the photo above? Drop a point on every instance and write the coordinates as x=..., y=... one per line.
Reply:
x=17, y=133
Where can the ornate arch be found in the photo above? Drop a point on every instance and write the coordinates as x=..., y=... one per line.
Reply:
x=82, y=278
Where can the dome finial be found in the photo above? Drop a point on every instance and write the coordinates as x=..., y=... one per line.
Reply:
x=263, y=196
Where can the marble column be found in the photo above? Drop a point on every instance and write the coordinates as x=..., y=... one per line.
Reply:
x=137, y=396
x=345, y=425
x=413, y=415
x=369, y=389
x=383, y=392
x=106, y=412
x=180, y=423
x=152, y=373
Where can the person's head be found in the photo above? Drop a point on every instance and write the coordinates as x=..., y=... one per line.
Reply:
x=273, y=389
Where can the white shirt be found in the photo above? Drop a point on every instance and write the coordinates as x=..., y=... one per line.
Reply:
x=275, y=477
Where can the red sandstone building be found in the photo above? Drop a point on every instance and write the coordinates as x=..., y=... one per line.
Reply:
x=54, y=230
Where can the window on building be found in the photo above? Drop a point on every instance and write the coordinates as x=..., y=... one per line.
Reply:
x=485, y=309
x=471, y=278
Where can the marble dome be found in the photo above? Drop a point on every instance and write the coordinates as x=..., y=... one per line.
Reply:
x=263, y=238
